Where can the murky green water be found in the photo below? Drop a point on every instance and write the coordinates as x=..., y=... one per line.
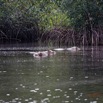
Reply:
x=63, y=78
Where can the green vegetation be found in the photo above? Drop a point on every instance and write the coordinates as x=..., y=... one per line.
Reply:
x=56, y=22
x=86, y=18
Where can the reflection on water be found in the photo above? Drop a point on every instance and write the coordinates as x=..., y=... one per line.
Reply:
x=63, y=78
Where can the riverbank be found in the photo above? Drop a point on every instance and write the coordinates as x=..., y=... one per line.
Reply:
x=58, y=36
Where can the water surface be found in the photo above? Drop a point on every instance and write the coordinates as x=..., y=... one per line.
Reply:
x=63, y=78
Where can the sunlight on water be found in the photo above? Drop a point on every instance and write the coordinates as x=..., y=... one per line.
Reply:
x=63, y=78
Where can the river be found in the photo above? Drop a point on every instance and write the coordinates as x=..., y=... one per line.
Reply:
x=67, y=77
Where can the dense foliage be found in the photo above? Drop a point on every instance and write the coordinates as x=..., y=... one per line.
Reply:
x=86, y=16
x=67, y=22
x=26, y=20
